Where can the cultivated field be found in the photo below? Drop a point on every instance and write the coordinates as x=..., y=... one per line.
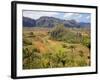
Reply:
x=56, y=47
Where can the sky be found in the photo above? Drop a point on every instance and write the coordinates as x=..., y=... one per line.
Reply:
x=79, y=17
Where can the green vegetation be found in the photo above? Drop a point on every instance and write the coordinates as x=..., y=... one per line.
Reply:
x=62, y=34
x=55, y=47
x=86, y=42
x=27, y=41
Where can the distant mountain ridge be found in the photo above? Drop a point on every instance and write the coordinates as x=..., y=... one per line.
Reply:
x=49, y=22
x=28, y=22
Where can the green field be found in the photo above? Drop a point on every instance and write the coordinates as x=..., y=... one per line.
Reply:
x=56, y=47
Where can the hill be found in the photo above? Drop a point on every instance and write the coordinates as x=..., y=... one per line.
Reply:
x=49, y=22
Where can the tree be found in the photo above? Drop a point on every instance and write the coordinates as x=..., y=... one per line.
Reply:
x=58, y=32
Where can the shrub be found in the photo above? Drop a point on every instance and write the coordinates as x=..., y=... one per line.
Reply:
x=82, y=62
x=86, y=42
x=72, y=47
x=64, y=45
x=36, y=50
x=81, y=53
x=26, y=53
x=31, y=33
x=58, y=32
x=27, y=42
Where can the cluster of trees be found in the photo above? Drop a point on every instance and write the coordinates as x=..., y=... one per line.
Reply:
x=62, y=34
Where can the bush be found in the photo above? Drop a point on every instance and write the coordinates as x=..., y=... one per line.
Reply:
x=64, y=45
x=31, y=34
x=27, y=42
x=86, y=41
x=58, y=31
x=31, y=59
x=82, y=62
x=81, y=53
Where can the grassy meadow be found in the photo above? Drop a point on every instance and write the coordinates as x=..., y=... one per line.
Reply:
x=56, y=47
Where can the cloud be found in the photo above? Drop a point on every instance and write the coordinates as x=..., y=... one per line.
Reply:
x=79, y=17
x=75, y=16
x=68, y=15
x=38, y=14
x=88, y=17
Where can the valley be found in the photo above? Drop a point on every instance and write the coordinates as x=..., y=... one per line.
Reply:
x=56, y=47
